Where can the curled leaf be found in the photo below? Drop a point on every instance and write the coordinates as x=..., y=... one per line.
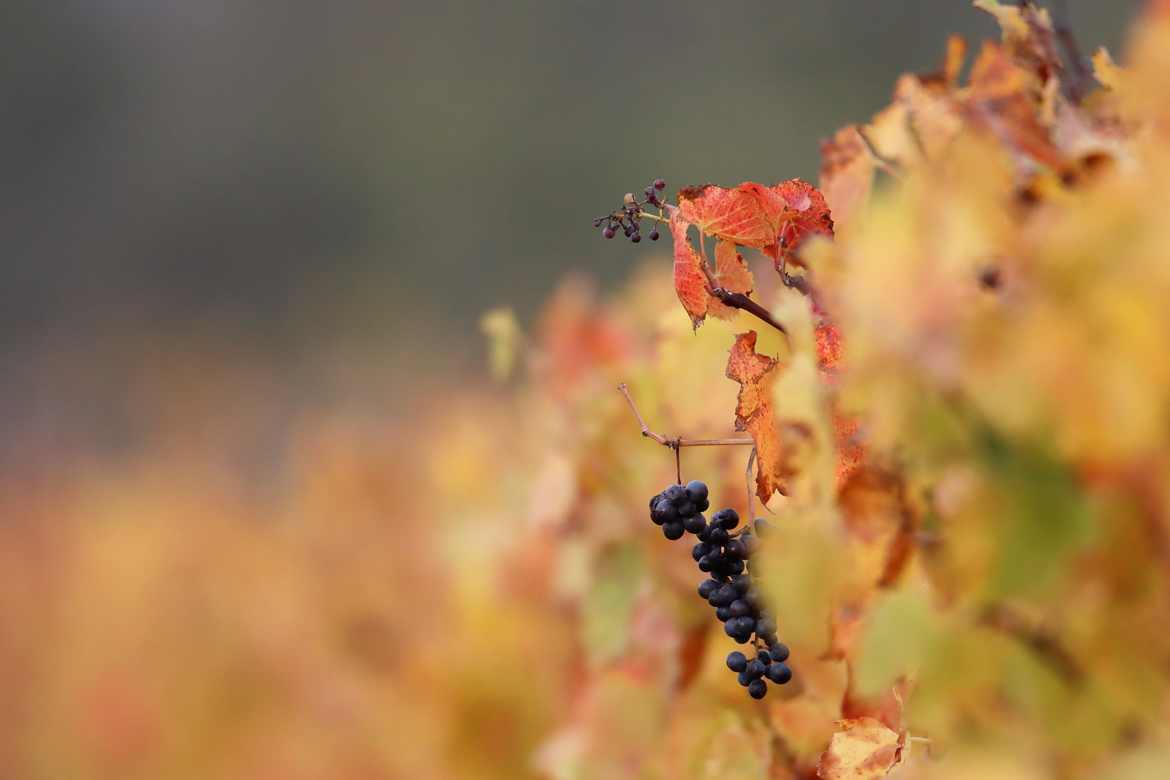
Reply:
x=690, y=284
x=733, y=275
x=860, y=749
x=754, y=413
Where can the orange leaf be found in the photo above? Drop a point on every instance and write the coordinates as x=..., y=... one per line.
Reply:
x=846, y=172
x=861, y=749
x=689, y=281
x=1002, y=102
x=732, y=274
x=754, y=413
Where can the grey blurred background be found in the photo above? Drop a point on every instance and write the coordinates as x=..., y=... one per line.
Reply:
x=274, y=178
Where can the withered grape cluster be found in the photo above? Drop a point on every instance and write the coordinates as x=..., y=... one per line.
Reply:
x=629, y=217
x=724, y=554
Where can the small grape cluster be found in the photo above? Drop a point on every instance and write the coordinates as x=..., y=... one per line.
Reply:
x=724, y=554
x=629, y=217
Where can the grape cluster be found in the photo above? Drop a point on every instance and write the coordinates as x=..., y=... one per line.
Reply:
x=629, y=217
x=724, y=554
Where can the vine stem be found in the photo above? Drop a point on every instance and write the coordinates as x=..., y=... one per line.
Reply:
x=676, y=442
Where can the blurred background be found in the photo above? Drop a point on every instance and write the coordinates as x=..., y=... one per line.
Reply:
x=248, y=246
x=271, y=180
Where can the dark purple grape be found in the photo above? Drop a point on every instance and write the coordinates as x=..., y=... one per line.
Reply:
x=766, y=625
x=673, y=530
x=764, y=657
x=771, y=641
x=695, y=524
x=756, y=668
x=728, y=518
x=722, y=614
x=757, y=689
x=685, y=508
x=654, y=235
x=707, y=587
x=736, y=661
x=608, y=231
x=717, y=536
x=659, y=184
x=735, y=549
x=742, y=583
x=696, y=490
x=778, y=651
x=739, y=608
x=744, y=680
x=699, y=550
x=635, y=238
x=779, y=673
x=732, y=567
x=705, y=564
x=724, y=596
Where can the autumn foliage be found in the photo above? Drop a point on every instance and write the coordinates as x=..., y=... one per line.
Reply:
x=962, y=440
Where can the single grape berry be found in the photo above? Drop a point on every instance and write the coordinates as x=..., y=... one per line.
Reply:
x=733, y=566
x=724, y=596
x=728, y=518
x=703, y=505
x=723, y=614
x=695, y=524
x=654, y=235
x=739, y=608
x=673, y=530
x=696, y=490
x=735, y=549
x=674, y=493
x=608, y=231
x=764, y=656
x=699, y=550
x=659, y=184
x=778, y=651
x=717, y=535
x=779, y=673
x=635, y=238
x=736, y=661
x=766, y=625
x=742, y=583
x=707, y=587
x=744, y=680
x=756, y=668
x=757, y=689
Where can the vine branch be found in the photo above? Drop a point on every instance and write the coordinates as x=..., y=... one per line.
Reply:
x=676, y=442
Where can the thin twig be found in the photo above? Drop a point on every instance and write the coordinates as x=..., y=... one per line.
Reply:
x=887, y=164
x=1044, y=644
x=676, y=442
x=751, y=493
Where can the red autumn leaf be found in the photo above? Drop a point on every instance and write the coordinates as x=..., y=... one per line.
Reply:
x=746, y=215
x=807, y=213
x=690, y=283
x=754, y=413
x=733, y=275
